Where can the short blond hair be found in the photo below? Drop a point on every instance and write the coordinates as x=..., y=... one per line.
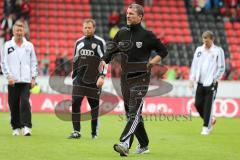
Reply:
x=208, y=34
x=89, y=20
x=19, y=23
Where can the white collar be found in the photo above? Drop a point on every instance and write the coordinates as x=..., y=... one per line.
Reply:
x=14, y=43
x=210, y=49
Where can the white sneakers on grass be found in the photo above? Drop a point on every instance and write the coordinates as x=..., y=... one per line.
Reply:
x=25, y=131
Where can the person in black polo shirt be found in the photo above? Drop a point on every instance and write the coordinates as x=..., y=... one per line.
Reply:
x=135, y=44
x=88, y=51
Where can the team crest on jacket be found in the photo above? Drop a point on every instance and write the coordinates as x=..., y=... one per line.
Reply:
x=94, y=45
x=199, y=54
x=139, y=44
x=10, y=50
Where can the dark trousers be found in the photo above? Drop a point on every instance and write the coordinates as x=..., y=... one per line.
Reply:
x=204, y=99
x=18, y=100
x=133, y=90
x=93, y=101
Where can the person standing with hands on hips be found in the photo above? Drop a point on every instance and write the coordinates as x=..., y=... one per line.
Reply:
x=207, y=68
x=19, y=66
x=134, y=44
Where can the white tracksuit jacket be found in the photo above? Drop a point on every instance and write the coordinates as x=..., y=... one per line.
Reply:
x=19, y=62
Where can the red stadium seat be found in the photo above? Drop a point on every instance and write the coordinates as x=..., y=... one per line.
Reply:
x=52, y=13
x=174, y=17
x=172, y=3
x=168, y=31
x=177, y=31
x=158, y=24
x=176, y=24
x=236, y=25
x=52, y=27
x=60, y=14
x=52, y=35
x=42, y=13
x=163, y=3
x=234, y=48
x=52, y=6
x=156, y=16
x=238, y=33
x=186, y=32
x=230, y=33
x=52, y=20
x=52, y=50
x=147, y=9
x=173, y=10
x=70, y=14
x=33, y=27
x=86, y=8
x=166, y=17
x=183, y=17
x=164, y=9
x=179, y=39
x=188, y=39
x=167, y=24
x=148, y=16
x=228, y=25
x=86, y=14
x=233, y=40
x=155, y=9
x=180, y=3
x=150, y=23
x=184, y=24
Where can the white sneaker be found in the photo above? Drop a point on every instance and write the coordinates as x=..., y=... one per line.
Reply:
x=26, y=131
x=205, y=131
x=142, y=150
x=16, y=132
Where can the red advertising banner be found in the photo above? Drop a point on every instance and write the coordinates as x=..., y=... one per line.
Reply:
x=223, y=107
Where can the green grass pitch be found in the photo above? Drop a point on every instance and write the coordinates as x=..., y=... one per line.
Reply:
x=169, y=140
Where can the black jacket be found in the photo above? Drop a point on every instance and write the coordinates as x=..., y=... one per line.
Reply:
x=137, y=43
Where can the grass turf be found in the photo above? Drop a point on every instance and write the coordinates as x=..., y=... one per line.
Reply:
x=169, y=139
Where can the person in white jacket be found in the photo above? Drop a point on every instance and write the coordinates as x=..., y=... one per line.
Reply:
x=207, y=68
x=19, y=66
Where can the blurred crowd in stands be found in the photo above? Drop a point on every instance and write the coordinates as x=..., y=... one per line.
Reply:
x=13, y=10
x=230, y=9
x=20, y=9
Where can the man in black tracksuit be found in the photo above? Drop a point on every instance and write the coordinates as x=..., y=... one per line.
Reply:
x=88, y=51
x=135, y=44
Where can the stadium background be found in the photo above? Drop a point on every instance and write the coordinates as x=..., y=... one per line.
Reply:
x=55, y=25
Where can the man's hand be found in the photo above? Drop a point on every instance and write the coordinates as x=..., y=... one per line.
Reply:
x=191, y=84
x=153, y=61
x=33, y=83
x=103, y=64
x=11, y=81
x=100, y=82
x=149, y=66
